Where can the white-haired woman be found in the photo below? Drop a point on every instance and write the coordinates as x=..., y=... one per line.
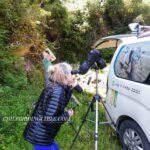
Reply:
x=49, y=113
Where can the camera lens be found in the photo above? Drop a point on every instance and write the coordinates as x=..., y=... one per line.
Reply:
x=101, y=63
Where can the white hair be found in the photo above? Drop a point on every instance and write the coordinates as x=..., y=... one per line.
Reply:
x=59, y=72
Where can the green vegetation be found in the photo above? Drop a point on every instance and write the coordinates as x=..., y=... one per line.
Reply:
x=19, y=104
x=26, y=29
x=15, y=104
x=107, y=138
x=107, y=54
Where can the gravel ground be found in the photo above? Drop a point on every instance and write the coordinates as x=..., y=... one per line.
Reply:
x=102, y=81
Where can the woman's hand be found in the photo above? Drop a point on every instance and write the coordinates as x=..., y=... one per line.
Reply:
x=70, y=112
x=49, y=57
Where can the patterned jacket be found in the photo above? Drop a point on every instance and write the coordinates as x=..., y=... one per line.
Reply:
x=48, y=115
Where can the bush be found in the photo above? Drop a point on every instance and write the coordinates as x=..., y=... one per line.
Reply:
x=107, y=54
x=12, y=70
x=117, y=14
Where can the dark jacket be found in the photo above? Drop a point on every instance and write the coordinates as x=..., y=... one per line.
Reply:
x=48, y=115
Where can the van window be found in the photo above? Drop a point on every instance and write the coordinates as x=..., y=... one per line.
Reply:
x=109, y=43
x=133, y=62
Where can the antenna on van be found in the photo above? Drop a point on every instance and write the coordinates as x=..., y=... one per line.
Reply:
x=137, y=28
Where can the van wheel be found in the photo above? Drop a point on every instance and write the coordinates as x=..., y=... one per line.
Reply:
x=132, y=136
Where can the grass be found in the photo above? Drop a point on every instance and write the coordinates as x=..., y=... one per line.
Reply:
x=19, y=104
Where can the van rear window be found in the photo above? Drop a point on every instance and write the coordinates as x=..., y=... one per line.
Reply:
x=133, y=62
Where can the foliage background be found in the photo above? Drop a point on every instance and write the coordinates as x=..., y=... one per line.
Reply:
x=27, y=27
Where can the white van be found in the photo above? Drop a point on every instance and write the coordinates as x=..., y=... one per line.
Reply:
x=128, y=93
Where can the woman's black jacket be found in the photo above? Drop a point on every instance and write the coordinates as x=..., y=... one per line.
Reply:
x=48, y=114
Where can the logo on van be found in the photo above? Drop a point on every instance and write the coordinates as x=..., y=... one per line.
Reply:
x=113, y=83
x=114, y=95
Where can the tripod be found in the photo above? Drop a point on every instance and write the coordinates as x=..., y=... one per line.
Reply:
x=96, y=99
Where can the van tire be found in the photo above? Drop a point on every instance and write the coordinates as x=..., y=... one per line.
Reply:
x=130, y=133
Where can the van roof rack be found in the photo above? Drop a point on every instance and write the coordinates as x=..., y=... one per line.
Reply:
x=137, y=29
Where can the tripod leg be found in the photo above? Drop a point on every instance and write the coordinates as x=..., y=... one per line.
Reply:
x=72, y=126
x=96, y=126
x=84, y=119
x=108, y=114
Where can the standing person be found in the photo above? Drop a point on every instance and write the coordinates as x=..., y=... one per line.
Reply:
x=48, y=58
x=49, y=114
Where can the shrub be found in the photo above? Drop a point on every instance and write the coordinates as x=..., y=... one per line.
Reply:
x=107, y=54
x=12, y=70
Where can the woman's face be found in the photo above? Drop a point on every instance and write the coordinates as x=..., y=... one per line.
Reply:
x=70, y=80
